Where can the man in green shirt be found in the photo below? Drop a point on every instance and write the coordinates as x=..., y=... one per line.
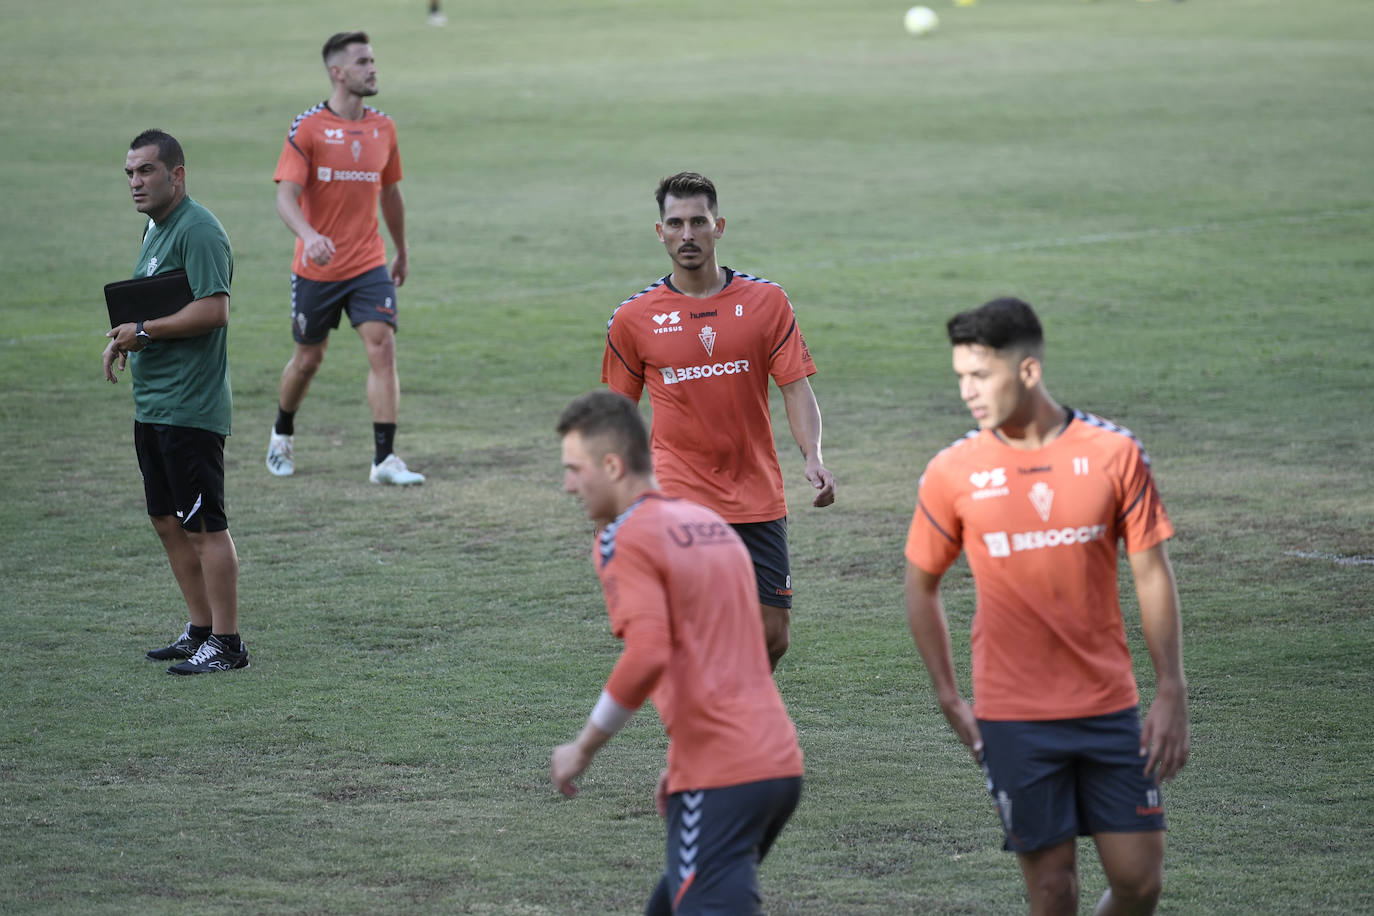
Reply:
x=180, y=370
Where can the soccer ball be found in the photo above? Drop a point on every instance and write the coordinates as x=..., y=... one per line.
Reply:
x=920, y=20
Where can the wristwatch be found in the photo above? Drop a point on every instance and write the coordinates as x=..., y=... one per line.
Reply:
x=141, y=334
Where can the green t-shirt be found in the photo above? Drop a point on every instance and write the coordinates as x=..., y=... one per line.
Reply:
x=185, y=381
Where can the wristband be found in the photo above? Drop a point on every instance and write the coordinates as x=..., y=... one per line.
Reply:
x=608, y=715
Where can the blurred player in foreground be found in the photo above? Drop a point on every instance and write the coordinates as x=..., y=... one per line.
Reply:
x=340, y=158
x=182, y=404
x=1037, y=499
x=704, y=340
x=679, y=591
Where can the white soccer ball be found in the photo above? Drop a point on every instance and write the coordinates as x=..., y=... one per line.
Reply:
x=920, y=20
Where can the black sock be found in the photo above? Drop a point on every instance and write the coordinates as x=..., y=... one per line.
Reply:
x=230, y=641
x=286, y=422
x=197, y=632
x=385, y=434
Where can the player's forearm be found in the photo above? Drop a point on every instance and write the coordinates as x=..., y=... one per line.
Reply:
x=289, y=209
x=197, y=317
x=803, y=418
x=929, y=629
x=1161, y=619
x=394, y=215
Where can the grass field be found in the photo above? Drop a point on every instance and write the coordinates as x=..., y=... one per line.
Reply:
x=1184, y=191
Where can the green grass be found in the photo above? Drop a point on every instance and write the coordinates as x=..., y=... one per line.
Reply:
x=1183, y=190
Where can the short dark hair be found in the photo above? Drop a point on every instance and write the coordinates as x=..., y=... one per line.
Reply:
x=340, y=40
x=1002, y=324
x=168, y=149
x=603, y=413
x=686, y=184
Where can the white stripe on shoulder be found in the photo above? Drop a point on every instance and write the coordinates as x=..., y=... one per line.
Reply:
x=296, y=123
x=648, y=289
x=1094, y=420
x=753, y=279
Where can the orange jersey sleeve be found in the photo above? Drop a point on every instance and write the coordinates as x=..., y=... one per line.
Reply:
x=680, y=590
x=342, y=166
x=1040, y=530
x=707, y=365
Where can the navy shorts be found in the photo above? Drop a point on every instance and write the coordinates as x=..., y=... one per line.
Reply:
x=716, y=840
x=316, y=305
x=1055, y=780
x=767, y=544
x=183, y=474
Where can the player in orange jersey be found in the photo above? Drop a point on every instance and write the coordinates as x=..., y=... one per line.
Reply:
x=1037, y=499
x=339, y=160
x=704, y=340
x=680, y=593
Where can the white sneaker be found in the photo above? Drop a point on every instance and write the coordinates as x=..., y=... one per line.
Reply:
x=280, y=455
x=437, y=18
x=394, y=471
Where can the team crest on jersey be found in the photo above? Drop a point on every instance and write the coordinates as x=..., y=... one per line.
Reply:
x=357, y=150
x=152, y=266
x=1042, y=497
x=708, y=339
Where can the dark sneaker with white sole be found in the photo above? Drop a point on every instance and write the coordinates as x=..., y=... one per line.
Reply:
x=212, y=656
x=184, y=647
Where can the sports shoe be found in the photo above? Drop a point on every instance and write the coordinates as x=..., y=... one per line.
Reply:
x=438, y=18
x=184, y=647
x=212, y=655
x=393, y=470
x=280, y=456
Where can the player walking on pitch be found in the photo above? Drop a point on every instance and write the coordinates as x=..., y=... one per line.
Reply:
x=679, y=590
x=1037, y=498
x=182, y=404
x=704, y=340
x=339, y=160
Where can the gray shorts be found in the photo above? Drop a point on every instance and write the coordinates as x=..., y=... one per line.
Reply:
x=316, y=305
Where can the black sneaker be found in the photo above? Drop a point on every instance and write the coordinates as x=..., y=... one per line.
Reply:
x=212, y=656
x=185, y=646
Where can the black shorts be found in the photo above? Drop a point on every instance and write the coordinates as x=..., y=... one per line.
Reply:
x=1052, y=781
x=767, y=544
x=316, y=305
x=183, y=474
x=716, y=840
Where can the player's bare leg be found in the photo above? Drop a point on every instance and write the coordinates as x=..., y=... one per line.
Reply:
x=299, y=372
x=1134, y=866
x=219, y=567
x=185, y=562
x=383, y=383
x=1051, y=879
x=777, y=632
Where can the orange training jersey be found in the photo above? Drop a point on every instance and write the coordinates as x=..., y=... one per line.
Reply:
x=342, y=165
x=1040, y=530
x=707, y=364
x=680, y=591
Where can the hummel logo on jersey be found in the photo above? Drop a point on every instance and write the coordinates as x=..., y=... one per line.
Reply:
x=708, y=339
x=989, y=483
x=1042, y=497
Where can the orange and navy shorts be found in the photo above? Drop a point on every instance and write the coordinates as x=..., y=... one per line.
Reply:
x=767, y=545
x=1055, y=780
x=316, y=305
